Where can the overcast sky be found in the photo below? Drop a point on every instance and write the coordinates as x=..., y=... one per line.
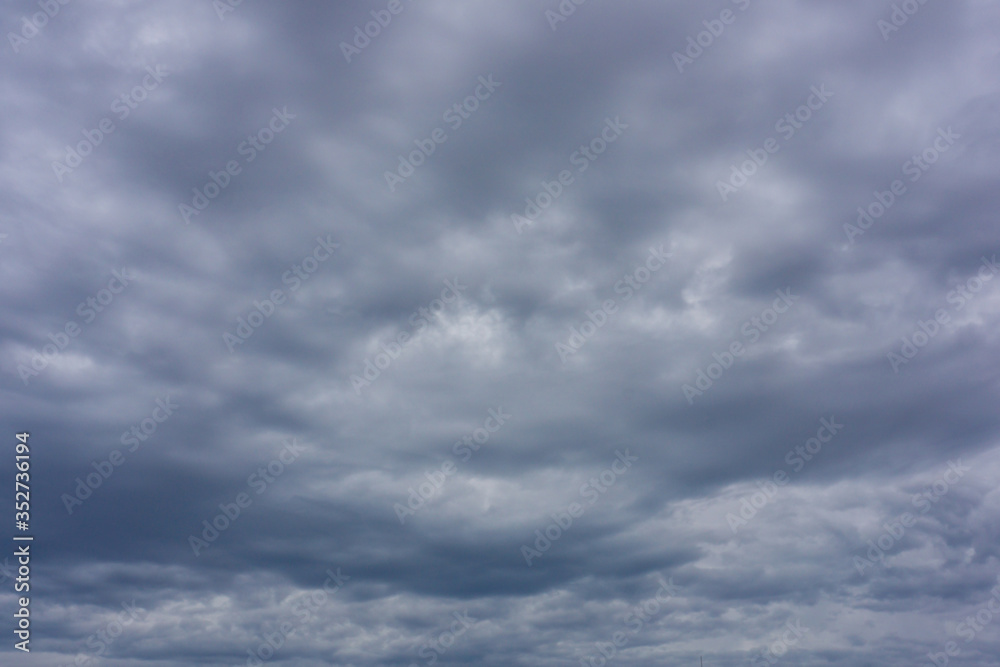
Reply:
x=482, y=332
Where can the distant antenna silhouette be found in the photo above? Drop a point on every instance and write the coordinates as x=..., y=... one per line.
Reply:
x=703, y=662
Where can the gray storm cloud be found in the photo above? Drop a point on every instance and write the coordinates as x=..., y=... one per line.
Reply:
x=556, y=301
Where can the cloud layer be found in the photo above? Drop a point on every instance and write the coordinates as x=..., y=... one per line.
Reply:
x=504, y=333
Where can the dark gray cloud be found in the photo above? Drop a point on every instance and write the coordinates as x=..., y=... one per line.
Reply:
x=586, y=236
